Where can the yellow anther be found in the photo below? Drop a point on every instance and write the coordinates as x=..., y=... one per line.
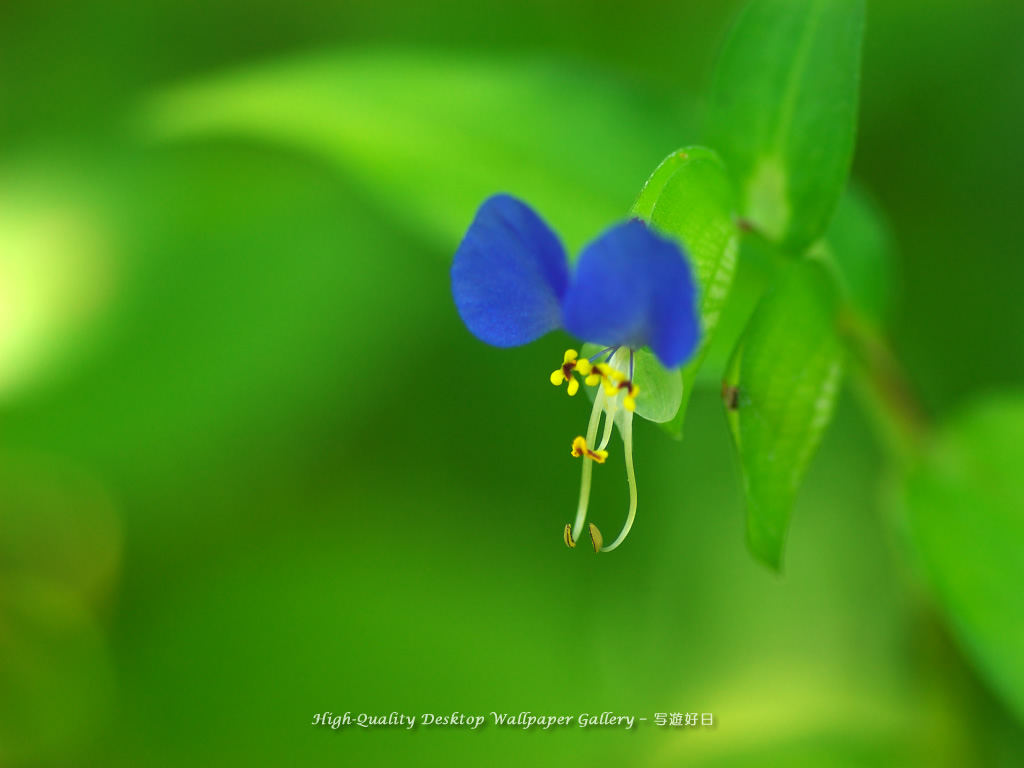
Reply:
x=612, y=378
x=596, y=538
x=579, y=448
x=610, y=373
x=631, y=394
x=570, y=364
x=568, y=537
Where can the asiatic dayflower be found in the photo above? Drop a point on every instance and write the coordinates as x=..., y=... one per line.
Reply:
x=631, y=288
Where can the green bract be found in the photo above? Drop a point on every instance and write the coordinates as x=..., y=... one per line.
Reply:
x=661, y=391
x=691, y=197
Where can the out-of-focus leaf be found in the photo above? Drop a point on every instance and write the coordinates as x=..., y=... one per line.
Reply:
x=859, y=245
x=430, y=136
x=661, y=391
x=783, y=111
x=260, y=288
x=59, y=525
x=54, y=673
x=964, y=512
x=696, y=203
x=779, y=395
x=58, y=271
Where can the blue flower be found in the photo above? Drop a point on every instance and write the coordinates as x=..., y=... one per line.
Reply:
x=632, y=288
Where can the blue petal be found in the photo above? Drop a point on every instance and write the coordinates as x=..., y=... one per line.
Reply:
x=636, y=288
x=509, y=274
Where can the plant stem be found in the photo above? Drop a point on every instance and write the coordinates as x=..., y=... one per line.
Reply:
x=883, y=387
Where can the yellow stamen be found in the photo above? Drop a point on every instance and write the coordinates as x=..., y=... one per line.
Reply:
x=613, y=379
x=579, y=448
x=630, y=399
x=568, y=537
x=570, y=364
x=596, y=538
x=610, y=373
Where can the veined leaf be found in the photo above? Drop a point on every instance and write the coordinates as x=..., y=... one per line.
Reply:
x=964, y=512
x=644, y=205
x=779, y=395
x=691, y=197
x=429, y=136
x=783, y=112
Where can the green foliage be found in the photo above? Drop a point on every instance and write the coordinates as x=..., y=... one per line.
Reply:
x=860, y=247
x=644, y=205
x=691, y=197
x=964, y=512
x=270, y=395
x=779, y=395
x=783, y=112
x=429, y=136
x=783, y=116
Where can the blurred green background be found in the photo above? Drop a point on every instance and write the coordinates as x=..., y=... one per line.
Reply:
x=253, y=468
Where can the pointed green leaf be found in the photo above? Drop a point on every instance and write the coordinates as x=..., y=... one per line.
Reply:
x=644, y=205
x=691, y=197
x=783, y=111
x=428, y=136
x=964, y=512
x=779, y=395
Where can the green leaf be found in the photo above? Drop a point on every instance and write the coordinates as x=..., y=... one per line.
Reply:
x=783, y=112
x=644, y=205
x=779, y=394
x=964, y=512
x=661, y=391
x=297, y=277
x=691, y=197
x=859, y=245
x=429, y=136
